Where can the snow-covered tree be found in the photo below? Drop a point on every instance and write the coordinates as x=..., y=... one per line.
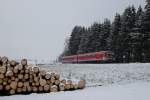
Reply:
x=146, y=32
x=106, y=29
x=84, y=42
x=94, y=43
x=74, y=41
x=115, y=37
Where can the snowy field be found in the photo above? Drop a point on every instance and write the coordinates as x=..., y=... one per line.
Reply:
x=119, y=82
x=134, y=91
x=104, y=74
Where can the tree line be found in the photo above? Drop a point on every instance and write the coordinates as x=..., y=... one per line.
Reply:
x=127, y=36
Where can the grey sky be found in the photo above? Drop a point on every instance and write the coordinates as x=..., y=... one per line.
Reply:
x=38, y=28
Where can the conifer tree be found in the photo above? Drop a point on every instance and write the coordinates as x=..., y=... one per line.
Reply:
x=127, y=27
x=106, y=29
x=94, y=43
x=146, y=33
x=115, y=37
x=74, y=41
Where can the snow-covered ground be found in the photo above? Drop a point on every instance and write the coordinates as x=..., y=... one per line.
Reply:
x=119, y=82
x=103, y=74
x=134, y=91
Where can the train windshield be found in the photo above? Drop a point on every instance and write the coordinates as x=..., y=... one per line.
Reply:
x=110, y=54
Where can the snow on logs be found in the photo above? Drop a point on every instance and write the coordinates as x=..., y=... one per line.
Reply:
x=21, y=78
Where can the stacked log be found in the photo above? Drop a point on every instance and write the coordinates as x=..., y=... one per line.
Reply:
x=16, y=78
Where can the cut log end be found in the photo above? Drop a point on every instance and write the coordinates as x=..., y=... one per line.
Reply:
x=23, y=78
x=12, y=92
x=24, y=62
x=81, y=84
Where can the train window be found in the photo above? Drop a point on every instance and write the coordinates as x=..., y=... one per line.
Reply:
x=110, y=55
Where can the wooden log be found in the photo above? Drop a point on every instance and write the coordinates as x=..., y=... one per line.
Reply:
x=12, y=92
x=42, y=82
x=4, y=60
x=37, y=83
x=2, y=76
x=54, y=88
x=20, y=76
x=61, y=87
x=57, y=76
x=30, y=72
x=34, y=75
x=30, y=68
x=46, y=88
x=81, y=84
x=22, y=71
x=36, y=70
x=24, y=89
x=16, y=79
x=29, y=89
x=12, y=78
x=36, y=79
x=9, y=81
x=5, y=79
x=63, y=81
x=30, y=80
x=24, y=62
x=26, y=66
x=67, y=86
x=9, y=73
x=52, y=79
x=1, y=87
x=26, y=84
x=42, y=72
x=9, y=68
x=16, y=75
x=75, y=86
x=57, y=82
x=48, y=81
x=13, y=85
x=71, y=86
x=4, y=83
x=35, y=89
x=13, y=63
x=15, y=70
x=19, y=67
x=33, y=84
x=19, y=90
x=41, y=89
x=26, y=76
x=20, y=84
x=53, y=75
x=1, y=81
x=3, y=69
x=69, y=82
x=7, y=87
x=23, y=80
x=27, y=71
x=31, y=76
x=47, y=76
x=51, y=84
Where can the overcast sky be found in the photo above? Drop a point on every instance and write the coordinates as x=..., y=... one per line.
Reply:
x=37, y=29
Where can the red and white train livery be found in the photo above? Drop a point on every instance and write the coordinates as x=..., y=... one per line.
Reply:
x=102, y=56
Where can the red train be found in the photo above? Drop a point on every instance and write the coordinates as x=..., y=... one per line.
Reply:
x=102, y=56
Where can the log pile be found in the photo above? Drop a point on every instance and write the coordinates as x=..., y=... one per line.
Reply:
x=21, y=78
